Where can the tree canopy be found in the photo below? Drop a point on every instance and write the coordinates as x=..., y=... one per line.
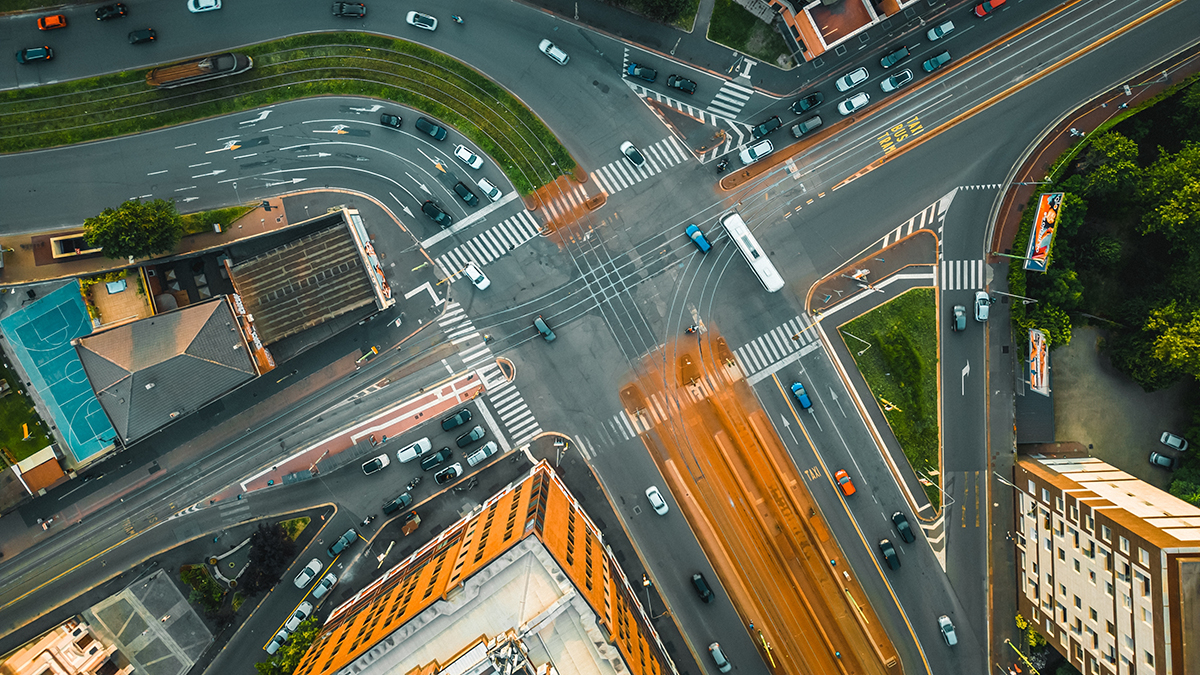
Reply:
x=135, y=229
x=271, y=551
x=285, y=661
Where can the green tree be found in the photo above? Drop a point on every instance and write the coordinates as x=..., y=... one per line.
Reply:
x=135, y=229
x=271, y=551
x=1168, y=175
x=1176, y=336
x=1112, y=168
x=1178, y=216
x=285, y=660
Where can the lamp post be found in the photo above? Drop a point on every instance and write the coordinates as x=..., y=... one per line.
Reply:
x=646, y=584
x=1024, y=300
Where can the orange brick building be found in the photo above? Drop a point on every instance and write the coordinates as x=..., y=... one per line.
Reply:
x=526, y=563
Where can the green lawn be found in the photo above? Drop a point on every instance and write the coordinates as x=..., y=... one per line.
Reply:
x=731, y=25
x=16, y=409
x=900, y=366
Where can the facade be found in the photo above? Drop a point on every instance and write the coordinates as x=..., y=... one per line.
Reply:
x=521, y=580
x=69, y=649
x=1109, y=567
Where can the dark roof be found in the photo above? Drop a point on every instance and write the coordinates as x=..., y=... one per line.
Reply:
x=150, y=372
x=304, y=283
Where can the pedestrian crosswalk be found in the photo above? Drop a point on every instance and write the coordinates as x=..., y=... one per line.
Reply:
x=776, y=345
x=621, y=174
x=505, y=399
x=730, y=100
x=962, y=275
x=490, y=244
x=923, y=220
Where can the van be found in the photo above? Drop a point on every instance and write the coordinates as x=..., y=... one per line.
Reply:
x=411, y=452
x=807, y=126
x=487, y=450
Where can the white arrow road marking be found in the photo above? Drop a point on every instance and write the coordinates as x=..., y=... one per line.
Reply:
x=965, y=372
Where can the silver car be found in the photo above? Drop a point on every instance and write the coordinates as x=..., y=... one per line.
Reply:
x=854, y=103
x=852, y=79
x=947, y=628
x=752, y=153
x=557, y=55
x=896, y=81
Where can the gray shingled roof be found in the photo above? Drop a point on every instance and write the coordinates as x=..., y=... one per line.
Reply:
x=152, y=371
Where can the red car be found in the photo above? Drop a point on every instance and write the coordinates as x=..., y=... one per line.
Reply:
x=985, y=8
x=52, y=22
x=844, y=482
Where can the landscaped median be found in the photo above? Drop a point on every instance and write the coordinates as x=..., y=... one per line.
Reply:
x=343, y=64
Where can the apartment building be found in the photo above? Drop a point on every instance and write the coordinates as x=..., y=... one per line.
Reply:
x=1109, y=567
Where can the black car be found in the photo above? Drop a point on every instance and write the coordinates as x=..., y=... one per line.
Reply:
x=35, y=54
x=436, y=458
x=436, y=214
x=390, y=120
x=113, y=11
x=142, y=36
x=424, y=125
x=803, y=105
x=889, y=554
x=682, y=84
x=447, y=474
x=902, y=526
x=394, y=505
x=702, y=588
x=767, y=127
x=894, y=58
x=470, y=437
x=343, y=543
x=456, y=420
x=464, y=193
x=353, y=10
x=641, y=72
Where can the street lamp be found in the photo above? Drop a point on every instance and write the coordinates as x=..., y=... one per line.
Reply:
x=646, y=584
x=1024, y=300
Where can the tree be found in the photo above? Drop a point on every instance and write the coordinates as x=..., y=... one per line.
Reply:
x=271, y=551
x=1178, y=216
x=135, y=229
x=1113, y=167
x=1176, y=335
x=285, y=660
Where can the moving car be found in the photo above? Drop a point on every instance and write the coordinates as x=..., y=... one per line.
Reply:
x=1163, y=461
x=697, y=237
x=35, y=54
x=310, y=572
x=323, y=586
x=752, y=153
x=1172, y=441
x=844, y=483
x=302, y=612
x=958, y=319
x=411, y=452
x=419, y=20
x=197, y=6
x=428, y=127
x=352, y=10
x=803, y=105
x=277, y=641
x=632, y=154
x=854, y=103
x=889, y=554
x=436, y=458
x=718, y=656
x=940, y=31
x=702, y=588
x=851, y=79
x=641, y=72
x=896, y=81
x=373, y=465
x=682, y=84
x=894, y=58
x=656, y=500
x=448, y=474
x=482, y=452
x=470, y=437
x=901, y=522
x=113, y=11
x=464, y=193
x=142, y=36
x=477, y=277
x=52, y=22
x=540, y=324
x=394, y=505
x=344, y=542
x=947, y=628
x=801, y=396
x=436, y=214
x=936, y=62
x=767, y=126
x=983, y=302
x=985, y=8
x=467, y=157
x=807, y=126
x=557, y=55
x=390, y=120
x=489, y=189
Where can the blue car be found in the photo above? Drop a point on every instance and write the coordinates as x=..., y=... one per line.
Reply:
x=801, y=395
x=697, y=236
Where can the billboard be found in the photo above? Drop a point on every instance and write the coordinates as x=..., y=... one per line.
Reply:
x=1039, y=363
x=1037, y=255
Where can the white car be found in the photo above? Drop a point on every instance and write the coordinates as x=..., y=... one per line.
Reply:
x=489, y=189
x=1172, y=441
x=947, y=630
x=467, y=157
x=896, y=81
x=752, y=153
x=983, y=302
x=420, y=20
x=476, y=276
x=559, y=56
x=323, y=587
x=940, y=31
x=411, y=452
x=310, y=572
x=852, y=79
x=302, y=612
x=277, y=641
x=632, y=154
x=378, y=464
x=197, y=6
x=855, y=102
x=656, y=500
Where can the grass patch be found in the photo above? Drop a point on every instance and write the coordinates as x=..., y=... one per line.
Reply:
x=295, y=526
x=347, y=64
x=238, y=601
x=901, y=367
x=16, y=410
x=687, y=18
x=731, y=25
x=199, y=223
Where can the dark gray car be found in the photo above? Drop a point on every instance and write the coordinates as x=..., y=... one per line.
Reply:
x=471, y=436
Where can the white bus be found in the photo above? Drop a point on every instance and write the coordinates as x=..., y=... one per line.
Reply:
x=748, y=245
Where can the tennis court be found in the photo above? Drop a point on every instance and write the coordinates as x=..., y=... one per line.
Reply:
x=39, y=336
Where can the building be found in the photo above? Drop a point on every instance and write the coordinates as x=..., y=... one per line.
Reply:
x=1109, y=567
x=522, y=582
x=68, y=649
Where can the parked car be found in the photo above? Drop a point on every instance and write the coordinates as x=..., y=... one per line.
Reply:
x=852, y=79
x=985, y=8
x=350, y=10
x=142, y=36
x=947, y=628
x=801, y=396
x=35, y=54
x=436, y=214
x=702, y=589
x=373, y=465
x=983, y=303
x=803, y=105
x=197, y=6
x=1172, y=441
x=421, y=20
x=113, y=11
x=390, y=120
x=540, y=324
x=656, y=500
x=901, y=522
x=489, y=189
x=632, y=154
x=467, y=157
x=310, y=572
x=935, y=62
x=52, y=22
x=344, y=542
x=436, y=458
x=958, y=318
x=896, y=81
x=557, y=55
x=889, y=554
x=718, y=657
x=277, y=641
x=1163, y=461
x=693, y=232
x=410, y=452
x=400, y=502
x=767, y=126
x=807, y=126
x=641, y=72
x=894, y=58
x=940, y=31
x=476, y=275
x=752, y=153
x=448, y=474
x=323, y=586
x=426, y=126
x=464, y=193
x=854, y=103
x=475, y=434
x=302, y=612
x=844, y=483
x=682, y=84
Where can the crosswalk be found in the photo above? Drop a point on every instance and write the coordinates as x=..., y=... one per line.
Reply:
x=621, y=174
x=923, y=220
x=776, y=345
x=503, y=395
x=490, y=244
x=730, y=100
x=962, y=275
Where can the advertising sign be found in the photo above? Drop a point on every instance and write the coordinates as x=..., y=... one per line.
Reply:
x=1039, y=363
x=1044, y=222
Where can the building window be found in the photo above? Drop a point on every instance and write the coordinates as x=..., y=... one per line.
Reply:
x=1076, y=565
x=1128, y=642
x=1092, y=576
x=1108, y=589
x=1049, y=545
x=1106, y=533
x=1124, y=545
x=1144, y=557
x=1148, y=658
x=1058, y=506
x=1062, y=589
x=1078, y=603
x=1090, y=523
x=1146, y=617
x=1092, y=613
x=1045, y=496
x=1110, y=628
x=1127, y=601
